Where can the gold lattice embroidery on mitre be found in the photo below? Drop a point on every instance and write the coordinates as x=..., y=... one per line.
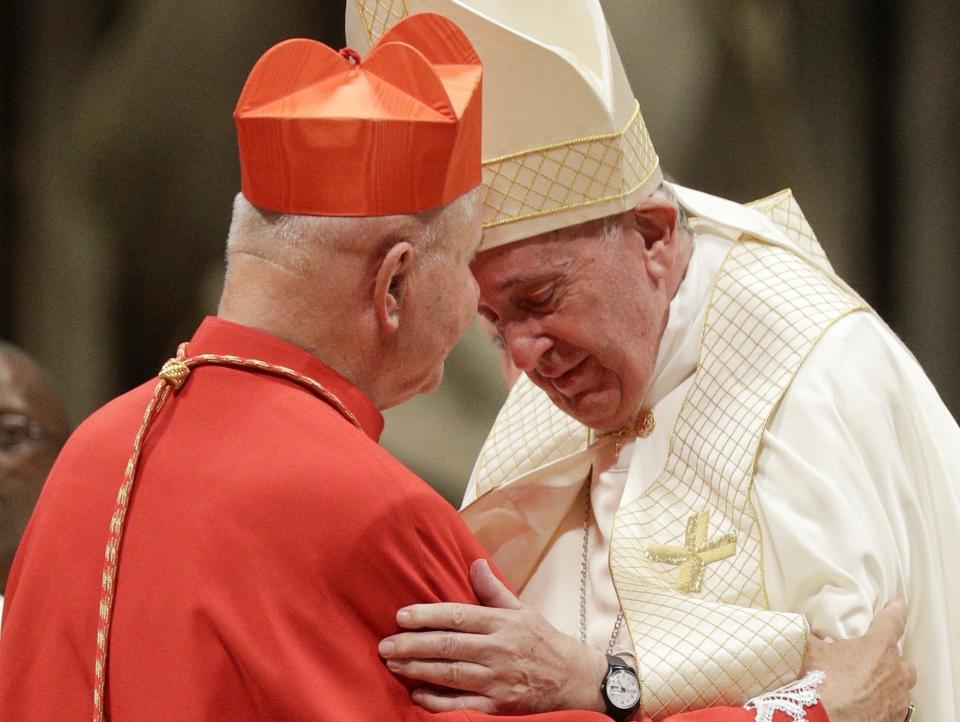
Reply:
x=378, y=15
x=692, y=558
x=574, y=173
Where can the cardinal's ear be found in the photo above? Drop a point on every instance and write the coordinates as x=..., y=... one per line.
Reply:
x=390, y=284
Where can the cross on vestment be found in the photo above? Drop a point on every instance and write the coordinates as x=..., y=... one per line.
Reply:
x=692, y=558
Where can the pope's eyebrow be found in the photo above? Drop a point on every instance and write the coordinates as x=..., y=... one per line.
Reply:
x=528, y=280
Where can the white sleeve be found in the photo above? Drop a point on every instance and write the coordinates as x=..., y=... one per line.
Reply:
x=856, y=490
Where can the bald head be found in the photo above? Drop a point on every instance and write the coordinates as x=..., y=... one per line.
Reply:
x=32, y=428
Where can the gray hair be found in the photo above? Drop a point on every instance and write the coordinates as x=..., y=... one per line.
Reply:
x=611, y=224
x=664, y=190
x=296, y=241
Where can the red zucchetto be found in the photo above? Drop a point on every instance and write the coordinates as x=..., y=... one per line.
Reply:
x=329, y=133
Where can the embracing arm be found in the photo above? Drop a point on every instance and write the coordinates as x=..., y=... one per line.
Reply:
x=506, y=658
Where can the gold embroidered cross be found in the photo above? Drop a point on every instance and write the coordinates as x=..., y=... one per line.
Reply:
x=692, y=558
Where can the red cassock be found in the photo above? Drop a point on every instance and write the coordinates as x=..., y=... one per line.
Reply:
x=268, y=546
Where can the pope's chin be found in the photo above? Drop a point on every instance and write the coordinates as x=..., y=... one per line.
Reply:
x=596, y=408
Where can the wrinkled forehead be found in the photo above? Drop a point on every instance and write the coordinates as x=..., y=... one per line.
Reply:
x=523, y=263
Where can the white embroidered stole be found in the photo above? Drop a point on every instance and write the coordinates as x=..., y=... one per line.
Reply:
x=686, y=556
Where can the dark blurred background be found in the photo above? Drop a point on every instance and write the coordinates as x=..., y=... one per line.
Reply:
x=118, y=169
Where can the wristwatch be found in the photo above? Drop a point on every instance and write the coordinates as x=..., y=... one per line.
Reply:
x=621, y=689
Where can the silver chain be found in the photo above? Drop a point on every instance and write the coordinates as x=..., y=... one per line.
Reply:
x=584, y=548
x=582, y=638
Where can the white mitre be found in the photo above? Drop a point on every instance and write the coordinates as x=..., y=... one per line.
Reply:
x=565, y=142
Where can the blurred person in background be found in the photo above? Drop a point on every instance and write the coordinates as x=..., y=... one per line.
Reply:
x=33, y=426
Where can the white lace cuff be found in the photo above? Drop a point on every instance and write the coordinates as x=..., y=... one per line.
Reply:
x=792, y=699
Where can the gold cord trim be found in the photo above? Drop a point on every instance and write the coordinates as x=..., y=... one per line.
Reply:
x=568, y=143
x=172, y=376
x=176, y=372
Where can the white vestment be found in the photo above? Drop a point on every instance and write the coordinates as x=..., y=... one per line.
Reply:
x=856, y=491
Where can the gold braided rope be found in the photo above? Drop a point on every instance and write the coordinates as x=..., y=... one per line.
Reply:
x=173, y=375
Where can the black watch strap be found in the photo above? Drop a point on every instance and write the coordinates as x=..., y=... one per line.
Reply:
x=617, y=667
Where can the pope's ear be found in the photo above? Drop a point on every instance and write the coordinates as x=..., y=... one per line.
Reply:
x=655, y=219
x=390, y=283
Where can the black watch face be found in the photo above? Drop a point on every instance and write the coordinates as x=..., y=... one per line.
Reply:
x=623, y=689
